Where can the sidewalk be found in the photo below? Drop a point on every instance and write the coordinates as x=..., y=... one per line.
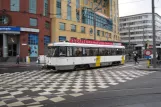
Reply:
x=132, y=60
x=144, y=67
x=11, y=64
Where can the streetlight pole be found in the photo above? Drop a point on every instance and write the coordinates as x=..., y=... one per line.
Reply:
x=143, y=42
x=94, y=23
x=129, y=38
x=154, y=40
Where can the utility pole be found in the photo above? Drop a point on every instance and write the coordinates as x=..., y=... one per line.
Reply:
x=94, y=23
x=143, y=41
x=94, y=18
x=154, y=40
x=129, y=38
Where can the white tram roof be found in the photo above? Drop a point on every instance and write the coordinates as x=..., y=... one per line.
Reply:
x=83, y=45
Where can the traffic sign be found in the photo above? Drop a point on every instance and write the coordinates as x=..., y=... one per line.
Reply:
x=148, y=52
x=147, y=57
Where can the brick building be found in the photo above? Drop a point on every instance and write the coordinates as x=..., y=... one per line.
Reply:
x=24, y=23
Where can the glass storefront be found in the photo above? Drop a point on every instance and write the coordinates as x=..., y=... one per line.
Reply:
x=11, y=45
x=88, y=17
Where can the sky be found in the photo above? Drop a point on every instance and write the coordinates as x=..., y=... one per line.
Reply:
x=130, y=7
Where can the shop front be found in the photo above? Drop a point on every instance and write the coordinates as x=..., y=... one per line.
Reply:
x=15, y=39
x=9, y=41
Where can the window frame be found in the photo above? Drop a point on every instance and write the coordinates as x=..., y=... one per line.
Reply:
x=73, y=30
x=16, y=6
x=60, y=26
x=33, y=9
x=33, y=19
x=83, y=31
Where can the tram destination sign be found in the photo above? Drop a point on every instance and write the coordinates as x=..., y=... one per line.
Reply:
x=74, y=40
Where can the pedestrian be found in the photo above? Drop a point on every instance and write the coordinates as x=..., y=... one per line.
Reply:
x=158, y=59
x=38, y=59
x=136, y=58
x=129, y=56
x=17, y=59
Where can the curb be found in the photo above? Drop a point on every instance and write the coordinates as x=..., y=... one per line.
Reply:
x=149, y=69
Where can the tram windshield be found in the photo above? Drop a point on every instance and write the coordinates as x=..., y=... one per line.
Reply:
x=52, y=51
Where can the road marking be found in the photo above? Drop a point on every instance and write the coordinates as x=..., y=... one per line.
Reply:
x=57, y=99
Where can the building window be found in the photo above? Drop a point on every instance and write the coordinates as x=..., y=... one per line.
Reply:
x=73, y=28
x=95, y=1
x=33, y=39
x=101, y=22
x=91, y=31
x=82, y=29
x=103, y=33
x=4, y=20
x=33, y=22
x=98, y=32
x=32, y=6
x=62, y=38
x=86, y=2
x=47, y=25
x=33, y=44
x=58, y=8
x=62, y=26
x=45, y=7
x=69, y=10
x=77, y=4
x=104, y=11
x=91, y=5
x=46, y=40
x=15, y=5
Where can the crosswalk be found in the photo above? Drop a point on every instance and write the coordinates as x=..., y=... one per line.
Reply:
x=34, y=87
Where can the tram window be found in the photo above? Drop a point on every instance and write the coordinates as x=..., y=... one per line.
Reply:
x=113, y=51
x=117, y=52
x=52, y=52
x=102, y=52
x=62, y=51
x=69, y=51
x=86, y=51
x=91, y=52
x=95, y=51
x=107, y=51
x=77, y=51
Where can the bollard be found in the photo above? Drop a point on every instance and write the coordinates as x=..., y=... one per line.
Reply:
x=148, y=63
x=29, y=60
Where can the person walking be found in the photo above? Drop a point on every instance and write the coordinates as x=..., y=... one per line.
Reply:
x=17, y=59
x=158, y=59
x=136, y=58
x=38, y=59
x=129, y=56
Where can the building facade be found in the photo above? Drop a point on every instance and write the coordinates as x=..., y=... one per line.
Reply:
x=137, y=29
x=75, y=19
x=24, y=24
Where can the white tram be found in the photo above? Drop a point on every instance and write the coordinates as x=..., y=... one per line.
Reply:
x=68, y=56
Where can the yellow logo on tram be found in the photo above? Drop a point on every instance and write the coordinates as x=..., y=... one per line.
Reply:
x=98, y=61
